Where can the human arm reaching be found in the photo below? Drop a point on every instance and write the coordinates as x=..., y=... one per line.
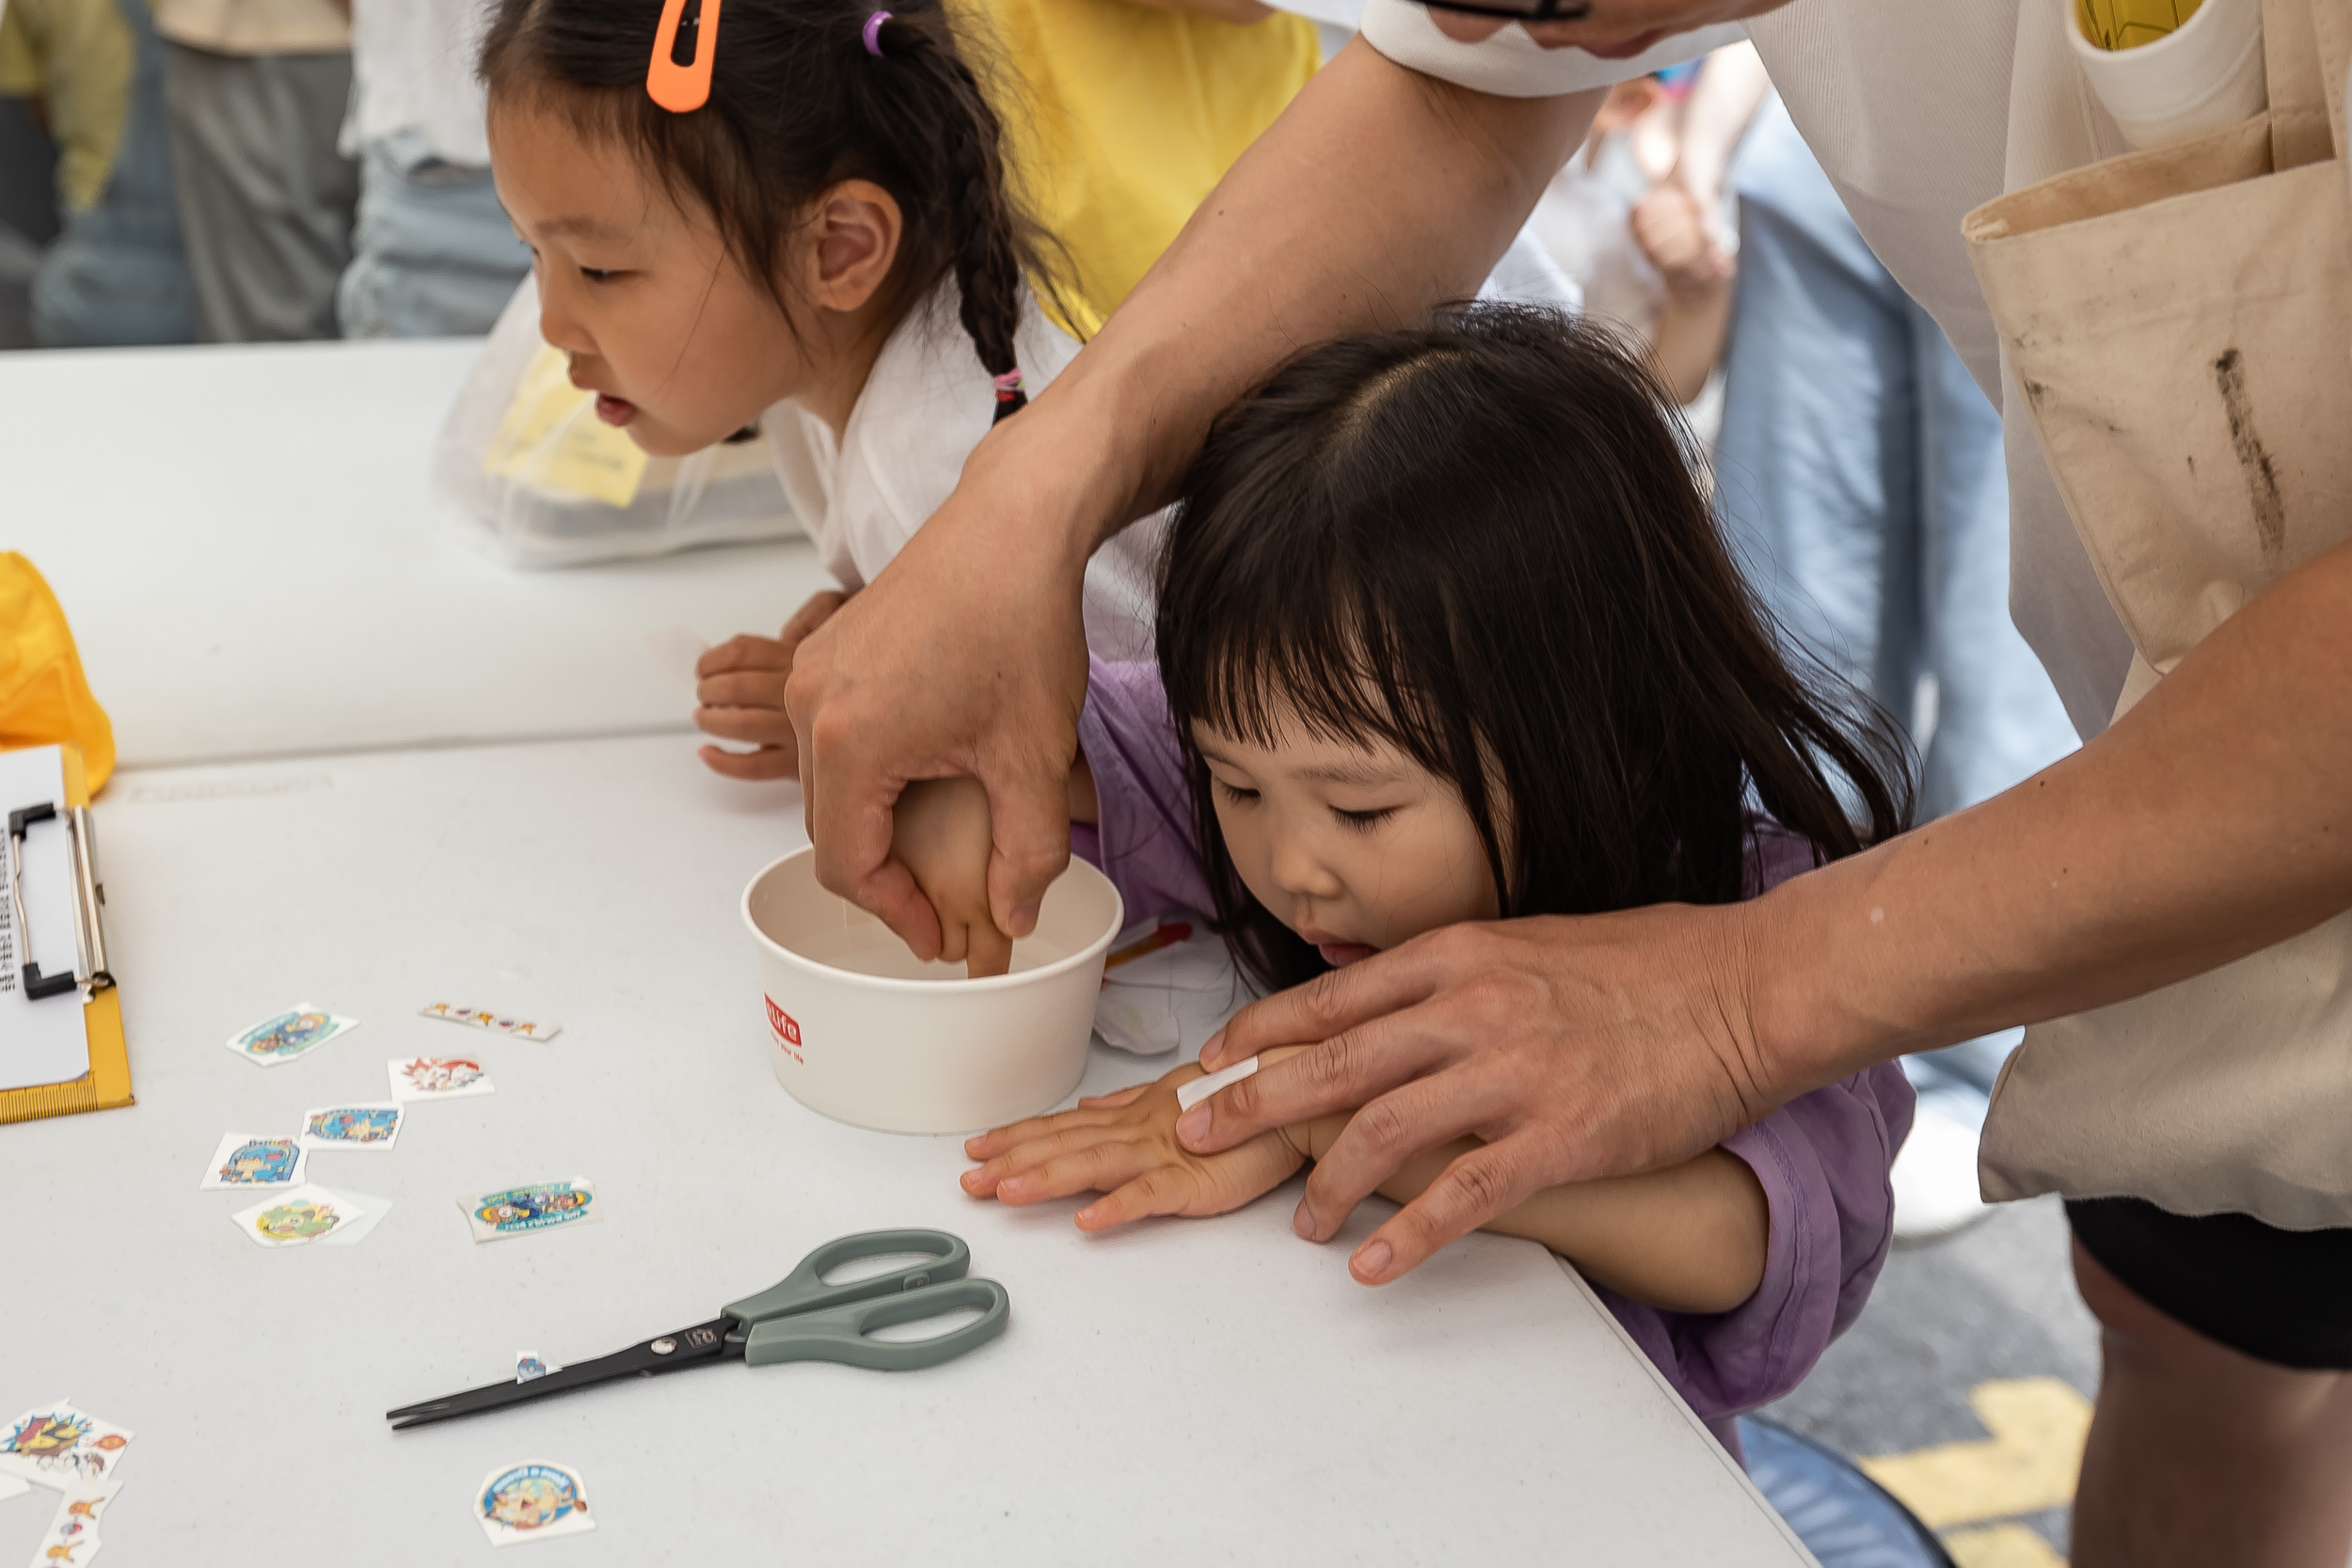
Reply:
x=1686, y=1239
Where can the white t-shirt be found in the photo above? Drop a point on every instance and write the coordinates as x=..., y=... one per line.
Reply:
x=926, y=403
x=1917, y=114
x=412, y=70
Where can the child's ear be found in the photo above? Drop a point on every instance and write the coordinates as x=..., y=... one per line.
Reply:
x=855, y=226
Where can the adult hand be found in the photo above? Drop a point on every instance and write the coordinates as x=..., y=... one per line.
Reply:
x=739, y=693
x=966, y=655
x=1573, y=1048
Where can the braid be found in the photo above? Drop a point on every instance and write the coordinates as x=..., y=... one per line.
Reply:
x=986, y=237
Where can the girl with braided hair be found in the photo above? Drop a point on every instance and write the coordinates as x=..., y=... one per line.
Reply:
x=794, y=217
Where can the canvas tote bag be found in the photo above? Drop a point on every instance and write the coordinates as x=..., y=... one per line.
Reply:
x=2179, y=322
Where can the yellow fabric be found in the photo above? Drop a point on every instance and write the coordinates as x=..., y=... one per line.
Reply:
x=43, y=696
x=2129, y=23
x=1127, y=116
x=77, y=56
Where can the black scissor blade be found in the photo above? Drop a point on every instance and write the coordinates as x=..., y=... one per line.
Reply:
x=688, y=1347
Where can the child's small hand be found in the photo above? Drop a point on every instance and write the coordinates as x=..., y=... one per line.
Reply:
x=740, y=686
x=1124, y=1145
x=1672, y=229
x=940, y=833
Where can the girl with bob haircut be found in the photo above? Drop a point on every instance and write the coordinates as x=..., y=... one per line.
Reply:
x=1447, y=632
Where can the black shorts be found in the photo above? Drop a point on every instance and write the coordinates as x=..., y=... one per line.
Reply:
x=2282, y=1296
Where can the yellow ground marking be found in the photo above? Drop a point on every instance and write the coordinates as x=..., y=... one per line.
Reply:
x=2002, y=1547
x=2028, y=1463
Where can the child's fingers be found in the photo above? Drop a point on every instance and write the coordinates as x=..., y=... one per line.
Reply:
x=760, y=689
x=815, y=614
x=760, y=725
x=1114, y=1099
x=988, y=950
x=996, y=1140
x=1033, y=1155
x=1164, y=1190
x=744, y=653
x=1094, y=1168
x=768, y=762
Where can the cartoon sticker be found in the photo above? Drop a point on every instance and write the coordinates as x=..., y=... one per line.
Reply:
x=299, y=1217
x=250, y=1159
x=60, y=1446
x=374, y=1126
x=533, y=1502
x=438, y=1078
x=541, y=1205
x=482, y=1018
x=283, y=1036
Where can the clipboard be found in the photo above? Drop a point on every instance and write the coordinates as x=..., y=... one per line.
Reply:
x=46, y=983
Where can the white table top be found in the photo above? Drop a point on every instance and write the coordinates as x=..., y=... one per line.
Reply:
x=1183, y=1392
x=245, y=541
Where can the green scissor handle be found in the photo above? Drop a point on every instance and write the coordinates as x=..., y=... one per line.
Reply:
x=804, y=1289
x=840, y=1333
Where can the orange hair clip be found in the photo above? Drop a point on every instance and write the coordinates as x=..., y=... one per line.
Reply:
x=682, y=89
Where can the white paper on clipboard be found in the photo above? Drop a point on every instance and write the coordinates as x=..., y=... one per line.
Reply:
x=44, y=1041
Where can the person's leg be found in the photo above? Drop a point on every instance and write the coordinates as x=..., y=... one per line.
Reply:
x=265, y=201
x=1814, y=465
x=433, y=254
x=2201, y=1455
x=117, y=275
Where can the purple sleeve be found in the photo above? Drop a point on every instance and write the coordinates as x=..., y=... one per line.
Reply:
x=1144, y=839
x=1822, y=1160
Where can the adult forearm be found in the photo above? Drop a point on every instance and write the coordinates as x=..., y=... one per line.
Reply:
x=2208, y=822
x=1378, y=192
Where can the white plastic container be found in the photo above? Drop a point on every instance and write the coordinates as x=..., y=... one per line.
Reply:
x=862, y=1032
x=2205, y=76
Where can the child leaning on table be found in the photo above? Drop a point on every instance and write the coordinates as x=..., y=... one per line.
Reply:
x=1447, y=633
x=825, y=247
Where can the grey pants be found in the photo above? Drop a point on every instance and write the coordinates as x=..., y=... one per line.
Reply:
x=265, y=201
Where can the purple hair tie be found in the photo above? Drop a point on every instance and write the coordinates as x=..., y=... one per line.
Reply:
x=872, y=32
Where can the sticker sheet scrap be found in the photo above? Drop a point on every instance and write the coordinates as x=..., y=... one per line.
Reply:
x=482, y=1018
x=372, y=1125
x=531, y=1502
x=541, y=1205
x=253, y=1160
x=297, y=1218
x=368, y=1214
x=437, y=1078
x=58, y=1445
x=283, y=1036
x=73, y=1537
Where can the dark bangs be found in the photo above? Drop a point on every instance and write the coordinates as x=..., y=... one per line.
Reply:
x=1484, y=542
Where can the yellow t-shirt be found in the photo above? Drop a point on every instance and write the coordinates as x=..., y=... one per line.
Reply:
x=2129, y=23
x=1122, y=118
x=77, y=56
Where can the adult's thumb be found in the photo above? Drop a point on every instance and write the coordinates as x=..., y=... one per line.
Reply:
x=1029, y=825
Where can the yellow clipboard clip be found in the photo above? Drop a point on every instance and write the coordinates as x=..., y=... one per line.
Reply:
x=89, y=974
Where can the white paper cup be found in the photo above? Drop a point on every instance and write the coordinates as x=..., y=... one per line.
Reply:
x=2205, y=76
x=860, y=1031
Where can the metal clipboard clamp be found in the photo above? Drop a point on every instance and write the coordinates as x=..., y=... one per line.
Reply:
x=90, y=973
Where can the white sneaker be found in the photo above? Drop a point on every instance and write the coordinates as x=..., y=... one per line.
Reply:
x=1935, y=1180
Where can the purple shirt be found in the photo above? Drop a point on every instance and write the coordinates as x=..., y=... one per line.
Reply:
x=1822, y=1158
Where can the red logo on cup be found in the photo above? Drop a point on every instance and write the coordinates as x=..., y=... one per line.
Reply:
x=786, y=1027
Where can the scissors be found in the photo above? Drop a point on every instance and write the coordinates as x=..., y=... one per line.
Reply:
x=800, y=1318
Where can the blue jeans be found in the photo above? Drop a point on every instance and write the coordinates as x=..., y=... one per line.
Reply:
x=1859, y=475
x=117, y=274
x=433, y=255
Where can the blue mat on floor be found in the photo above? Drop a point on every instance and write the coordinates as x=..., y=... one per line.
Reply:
x=1844, y=1519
